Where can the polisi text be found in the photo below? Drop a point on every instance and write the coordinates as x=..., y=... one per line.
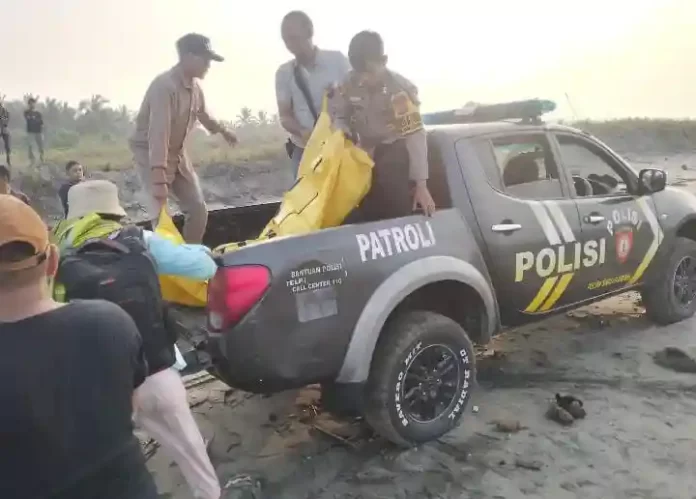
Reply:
x=561, y=259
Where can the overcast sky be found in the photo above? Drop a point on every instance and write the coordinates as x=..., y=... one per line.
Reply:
x=613, y=58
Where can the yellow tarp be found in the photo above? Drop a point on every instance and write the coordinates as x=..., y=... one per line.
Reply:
x=179, y=289
x=333, y=177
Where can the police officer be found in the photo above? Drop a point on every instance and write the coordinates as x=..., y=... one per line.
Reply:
x=379, y=109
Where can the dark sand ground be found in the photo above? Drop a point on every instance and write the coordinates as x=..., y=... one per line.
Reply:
x=638, y=440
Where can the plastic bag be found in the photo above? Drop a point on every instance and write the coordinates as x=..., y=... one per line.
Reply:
x=177, y=289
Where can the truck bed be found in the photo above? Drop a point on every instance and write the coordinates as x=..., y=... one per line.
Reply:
x=234, y=223
x=237, y=223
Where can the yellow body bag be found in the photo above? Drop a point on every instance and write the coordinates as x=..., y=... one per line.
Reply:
x=177, y=289
x=333, y=178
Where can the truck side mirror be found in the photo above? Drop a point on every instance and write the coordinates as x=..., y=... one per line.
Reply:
x=652, y=180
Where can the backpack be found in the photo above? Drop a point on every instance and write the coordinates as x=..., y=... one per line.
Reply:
x=119, y=269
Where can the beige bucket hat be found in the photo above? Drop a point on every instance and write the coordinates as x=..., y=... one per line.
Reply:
x=94, y=196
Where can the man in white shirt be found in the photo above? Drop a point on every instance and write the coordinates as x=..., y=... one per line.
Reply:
x=302, y=81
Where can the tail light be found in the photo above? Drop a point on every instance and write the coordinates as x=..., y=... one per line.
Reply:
x=233, y=292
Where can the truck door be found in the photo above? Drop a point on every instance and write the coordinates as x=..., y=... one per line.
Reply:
x=623, y=226
x=528, y=221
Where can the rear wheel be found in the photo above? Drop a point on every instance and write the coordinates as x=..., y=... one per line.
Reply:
x=421, y=377
x=672, y=297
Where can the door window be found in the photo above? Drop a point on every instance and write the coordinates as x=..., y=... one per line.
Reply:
x=594, y=172
x=526, y=167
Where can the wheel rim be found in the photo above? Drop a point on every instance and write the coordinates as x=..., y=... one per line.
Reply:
x=685, y=281
x=431, y=383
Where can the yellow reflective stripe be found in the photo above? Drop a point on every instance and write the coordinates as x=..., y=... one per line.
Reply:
x=654, y=245
x=545, y=295
x=558, y=292
x=542, y=294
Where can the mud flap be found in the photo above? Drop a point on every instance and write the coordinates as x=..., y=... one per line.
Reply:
x=191, y=337
x=196, y=358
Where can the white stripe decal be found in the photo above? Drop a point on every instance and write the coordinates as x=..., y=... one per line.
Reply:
x=545, y=221
x=657, y=238
x=561, y=221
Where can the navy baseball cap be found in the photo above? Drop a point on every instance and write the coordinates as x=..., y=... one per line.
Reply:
x=196, y=44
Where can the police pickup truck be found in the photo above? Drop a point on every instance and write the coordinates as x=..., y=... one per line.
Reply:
x=533, y=219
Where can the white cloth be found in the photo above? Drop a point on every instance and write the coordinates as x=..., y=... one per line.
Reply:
x=162, y=410
x=180, y=363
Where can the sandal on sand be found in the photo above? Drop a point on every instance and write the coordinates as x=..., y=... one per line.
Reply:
x=571, y=404
x=559, y=415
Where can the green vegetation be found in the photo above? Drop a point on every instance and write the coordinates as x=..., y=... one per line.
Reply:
x=96, y=134
x=644, y=135
x=658, y=126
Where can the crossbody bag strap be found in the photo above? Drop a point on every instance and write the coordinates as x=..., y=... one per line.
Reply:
x=302, y=85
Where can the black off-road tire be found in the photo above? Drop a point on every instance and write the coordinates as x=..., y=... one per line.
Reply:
x=661, y=305
x=400, y=342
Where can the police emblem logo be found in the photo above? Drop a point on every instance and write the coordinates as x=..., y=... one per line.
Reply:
x=623, y=239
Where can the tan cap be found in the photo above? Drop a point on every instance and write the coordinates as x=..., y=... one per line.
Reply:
x=94, y=196
x=19, y=223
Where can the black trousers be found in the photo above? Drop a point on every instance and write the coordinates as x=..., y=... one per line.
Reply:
x=391, y=195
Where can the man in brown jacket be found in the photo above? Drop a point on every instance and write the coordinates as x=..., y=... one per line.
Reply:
x=172, y=105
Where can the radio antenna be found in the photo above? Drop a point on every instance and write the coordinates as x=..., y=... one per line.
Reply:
x=572, y=109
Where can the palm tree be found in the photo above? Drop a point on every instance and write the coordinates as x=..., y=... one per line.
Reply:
x=52, y=111
x=245, y=117
x=95, y=115
x=97, y=103
x=262, y=117
x=94, y=104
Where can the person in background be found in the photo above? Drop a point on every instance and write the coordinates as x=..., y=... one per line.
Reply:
x=380, y=109
x=161, y=408
x=69, y=373
x=6, y=188
x=5, y=132
x=172, y=105
x=302, y=81
x=76, y=174
x=35, y=126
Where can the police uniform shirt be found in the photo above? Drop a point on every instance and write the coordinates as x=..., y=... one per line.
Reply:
x=383, y=115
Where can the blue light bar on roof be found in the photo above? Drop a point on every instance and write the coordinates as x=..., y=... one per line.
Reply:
x=524, y=110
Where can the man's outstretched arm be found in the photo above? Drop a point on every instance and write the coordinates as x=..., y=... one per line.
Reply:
x=213, y=125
